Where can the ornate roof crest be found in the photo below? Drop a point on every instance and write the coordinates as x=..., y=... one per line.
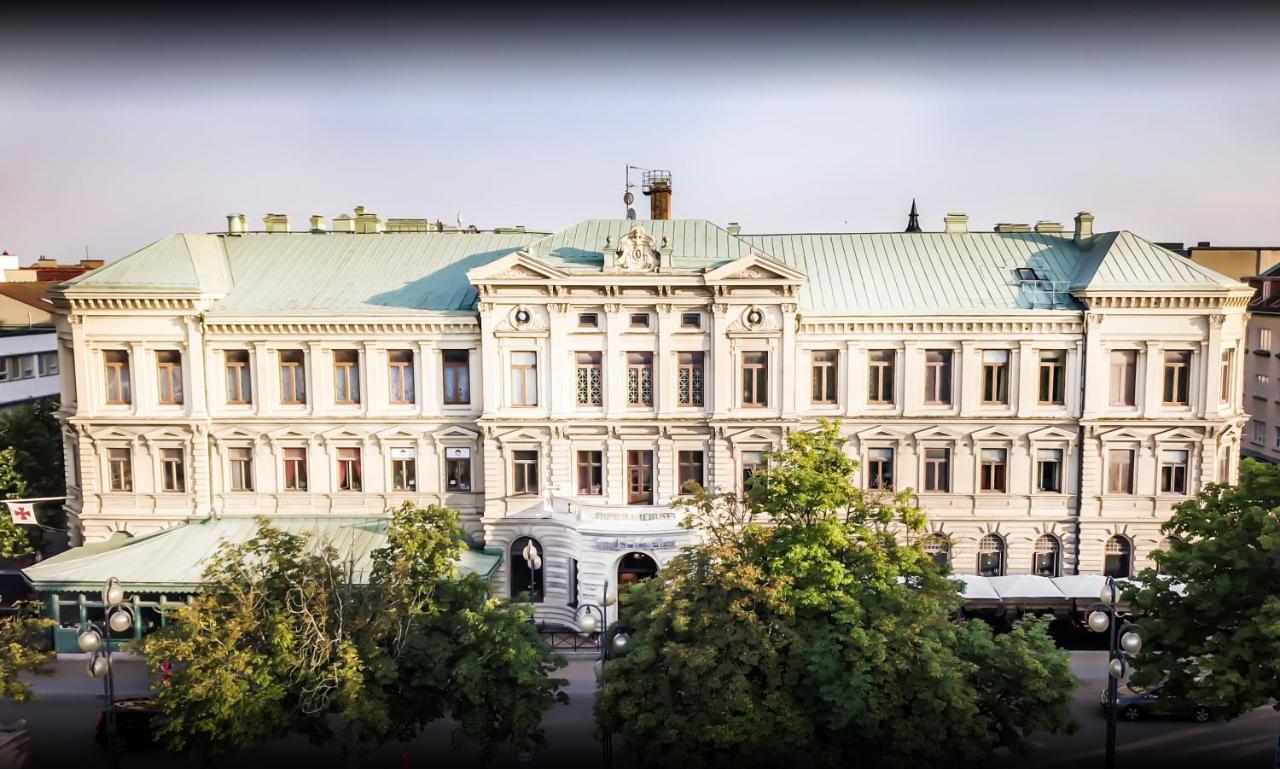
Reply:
x=636, y=252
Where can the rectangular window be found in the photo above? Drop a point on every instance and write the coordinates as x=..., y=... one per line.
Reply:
x=880, y=376
x=295, y=469
x=640, y=378
x=690, y=470
x=524, y=379
x=48, y=363
x=639, y=477
x=573, y=582
x=639, y=320
x=1124, y=377
x=293, y=376
x=590, y=473
x=116, y=363
x=588, y=320
x=120, y=469
x=1224, y=394
x=1277, y=438
x=173, y=475
x=824, y=375
x=752, y=462
x=1257, y=432
x=691, y=320
x=239, y=387
x=404, y=468
x=457, y=376
x=937, y=470
x=992, y=474
x=755, y=379
x=1173, y=472
x=995, y=376
x=1120, y=471
x=10, y=369
x=457, y=469
x=937, y=377
x=524, y=472
x=590, y=379
x=689, y=378
x=348, y=469
x=400, y=369
x=169, y=370
x=1053, y=377
x=1177, y=377
x=241, y=466
x=26, y=366
x=1264, y=339
x=346, y=376
x=1049, y=470
x=1261, y=383
x=880, y=469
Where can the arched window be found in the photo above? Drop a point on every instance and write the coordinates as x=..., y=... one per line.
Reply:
x=526, y=580
x=938, y=547
x=1117, y=560
x=1046, y=561
x=991, y=556
x=1166, y=545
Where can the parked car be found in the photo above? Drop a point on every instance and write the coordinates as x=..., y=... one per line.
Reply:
x=15, y=746
x=134, y=723
x=1151, y=703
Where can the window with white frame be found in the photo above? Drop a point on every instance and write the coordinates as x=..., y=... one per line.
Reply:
x=1257, y=432
x=173, y=475
x=1261, y=382
x=690, y=464
x=589, y=378
x=993, y=470
x=640, y=378
x=14, y=367
x=991, y=556
x=349, y=475
x=824, y=376
x=1124, y=377
x=48, y=363
x=689, y=378
x=1120, y=471
x=1224, y=394
x=995, y=377
x=1117, y=557
x=1046, y=558
x=1264, y=340
x=752, y=462
x=400, y=374
x=937, y=469
x=1173, y=471
x=239, y=383
x=116, y=365
x=755, y=379
x=880, y=468
x=524, y=378
x=1053, y=378
x=404, y=468
x=457, y=468
x=293, y=376
x=1049, y=470
x=880, y=376
x=240, y=463
x=524, y=472
x=295, y=469
x=120, y=469
x=1177, y=377
x=590, y=467
x=169, y=374
x=937, y=377
x=346, y=376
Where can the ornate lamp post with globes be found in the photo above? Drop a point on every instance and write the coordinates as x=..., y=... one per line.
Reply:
x=1104, y=617
x=588, y=624
x=96, y=640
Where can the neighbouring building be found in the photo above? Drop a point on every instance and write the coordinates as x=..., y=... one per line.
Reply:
x=1047, y=394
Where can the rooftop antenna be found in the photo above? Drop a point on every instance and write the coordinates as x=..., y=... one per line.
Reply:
x=627, y=197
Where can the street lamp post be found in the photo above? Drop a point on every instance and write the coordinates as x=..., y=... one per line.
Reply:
x=95, y=639
x=1104, y=617
x=587, y=624
x=534, y=560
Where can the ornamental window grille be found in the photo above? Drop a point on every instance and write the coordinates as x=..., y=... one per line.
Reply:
x=991, y=556
x=938, y=547
x=1116, y=557
x=689, y=379
x=1045, y=560
x=590, y=390
x=640, y=379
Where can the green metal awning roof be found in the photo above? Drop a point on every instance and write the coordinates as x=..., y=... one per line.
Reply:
x=174, y=559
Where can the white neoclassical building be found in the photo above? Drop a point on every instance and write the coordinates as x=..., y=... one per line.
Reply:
x=1048, y=395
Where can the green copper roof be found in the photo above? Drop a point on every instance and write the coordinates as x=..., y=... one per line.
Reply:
x=846, y=273
x=173, y=559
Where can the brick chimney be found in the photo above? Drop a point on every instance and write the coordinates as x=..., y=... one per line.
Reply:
x=657, y=185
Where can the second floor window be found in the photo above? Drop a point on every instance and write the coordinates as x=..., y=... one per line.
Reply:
x=239, y=384
x=346, y=376
x=241, y=466
x=1264, y=339
x=1224, y=394
x=689, y=378
x=117, y=372
x=169, y=369
x=404, y=469
x=524, y=472
x=1124, y=377
x=120, y=469
x=400, y=368
x=590, y=379
x=992, y=475
x=1260, y=384
x=1120, y=471
x=1053, y=377
x=880, y=376
x=752, y=463
x=457, y=376
x=690, y=470
x=937, y=469
x=457, y=468
x=293, y=376
x=640, y=477
x=937, y=377
x=348, y=469
x=825, y=375
x=524, y=378
x=640, y=378
x=880, y=469
x=995, y=376
x=1173, y=472
x=1177, y=376
x=590, y=473
x=173, y=475
x=755, y=379
x=295, y=469
x=1049, y=470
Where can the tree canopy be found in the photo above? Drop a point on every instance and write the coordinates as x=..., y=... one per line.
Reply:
x=24, y=648
x=811, y=626
x=283, y=636
x=15, y=540
x=1211, y=616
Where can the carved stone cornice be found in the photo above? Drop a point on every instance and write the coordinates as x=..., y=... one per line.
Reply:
x=333, y=327
x=896, y=326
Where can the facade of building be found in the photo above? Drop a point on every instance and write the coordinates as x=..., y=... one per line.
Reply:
x=1047, y=394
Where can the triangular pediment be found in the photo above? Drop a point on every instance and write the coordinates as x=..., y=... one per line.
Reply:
x=454, y=432
x=1177, y=434
x=235, y=434
x=755, y=266
x=879, y=433
x=993, y=434
x=935, y=434
x=1052, y=434
x=1122, y=434
x=519, y=266
x=344, y=432
x=755, y=436
x=288, y=434
x=523, y=436
x=166, y=434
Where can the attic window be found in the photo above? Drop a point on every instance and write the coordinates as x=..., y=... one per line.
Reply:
x=690, y=320
x=1026, y=273
x=588, y=320
x=640, y=320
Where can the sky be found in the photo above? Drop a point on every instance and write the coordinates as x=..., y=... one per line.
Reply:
x=117, y=130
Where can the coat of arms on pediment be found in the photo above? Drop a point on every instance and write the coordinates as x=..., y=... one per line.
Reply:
x=636, y=252
x=520, y=271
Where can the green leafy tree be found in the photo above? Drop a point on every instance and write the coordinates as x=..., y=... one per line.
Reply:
x=811, y=626
x=1211, y=618
x=283, y=636
x=24, y=648
x=33, y=432
x=15, y=540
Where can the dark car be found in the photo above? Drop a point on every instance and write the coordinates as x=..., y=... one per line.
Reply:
x=135, y=718
x=1149, y=703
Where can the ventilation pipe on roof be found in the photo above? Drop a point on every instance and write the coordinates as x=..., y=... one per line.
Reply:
x=344, y=223
x=235, y=224
x=734, y=228
x=366, y=222
x=276, y=222
x=318, y=224
x=1013, y=228
x=956, y=224
x=1044, y=225
x=1084, y=226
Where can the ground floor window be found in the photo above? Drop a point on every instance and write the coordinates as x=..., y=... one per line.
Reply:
x=1117, y=557
x=991, y=556
x=1045, y=560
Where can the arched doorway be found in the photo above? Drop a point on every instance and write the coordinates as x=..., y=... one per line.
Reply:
x=524, y=580
x=635, y=567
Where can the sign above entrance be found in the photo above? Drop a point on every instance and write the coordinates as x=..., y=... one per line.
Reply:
x=634, y=544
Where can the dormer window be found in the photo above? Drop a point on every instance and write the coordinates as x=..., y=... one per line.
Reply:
x=1026, y=273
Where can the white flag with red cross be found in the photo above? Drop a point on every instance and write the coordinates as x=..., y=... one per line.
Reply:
x=22, y=512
